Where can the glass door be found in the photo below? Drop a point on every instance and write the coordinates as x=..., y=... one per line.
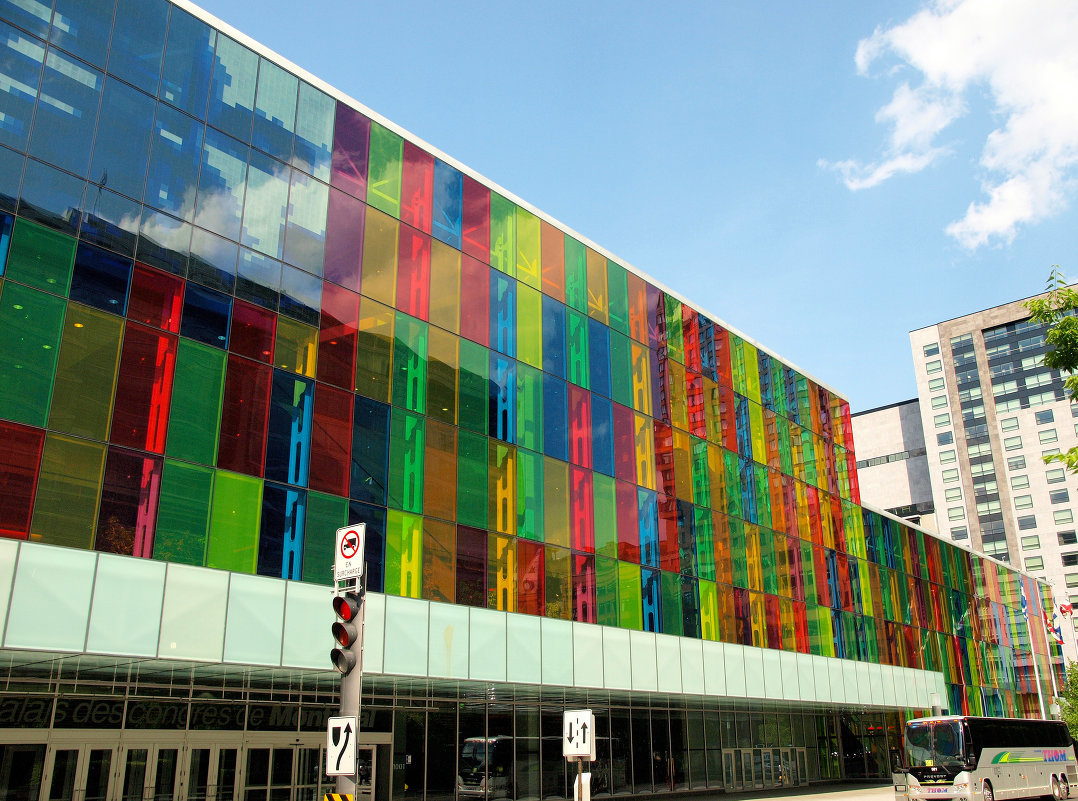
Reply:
x=731, y=769
x=211, y=774
x=365, y=773
x=77, y=772
x=284, y=773
x=149, y=771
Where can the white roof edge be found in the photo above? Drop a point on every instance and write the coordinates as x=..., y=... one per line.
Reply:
x=318, y=83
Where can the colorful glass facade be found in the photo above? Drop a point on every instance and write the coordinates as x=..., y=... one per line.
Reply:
x=237, y=312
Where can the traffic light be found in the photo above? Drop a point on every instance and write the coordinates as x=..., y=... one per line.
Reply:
x=346, y=632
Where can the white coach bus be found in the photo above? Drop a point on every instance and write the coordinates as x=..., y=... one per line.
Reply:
x=986, y=759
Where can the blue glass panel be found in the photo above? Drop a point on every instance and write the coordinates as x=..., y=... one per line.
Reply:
x=163, y=242
x=301, y=295
x=651, y=597
x=792, y=410
x=213, y=261
x=111, y=220
x=33, y=16
x=122, y=144
x=447, y=205
x=553, y=336
x=839, y=638
x=174, y=157
x=748, y=489
x=51, y=197
x=370, y=451
x=82, y=27
x=266, y=205
x=314, y=132
x=374, y=545
x=602, y=435
x=64, y=124
x=855, y=584
x=305, y=234
x=763, y=362
x=686, y=538
x=21, y=61
x=275, y=110
x=6, y=223
x=708, y=364
x=599, y=357
x=206, y=315
x=259, y=279
x=280, y=538
x=11, y=164
x=232, y=89
x=555, y=416
x=503, y=310
x=647, y=509
x=502, y=401
x=690, y=607
x=221, y=184
x=288, y=444
x=185, y=78
x=138, y=40
x=744, y=432
x=100, y=279
x=832, y=577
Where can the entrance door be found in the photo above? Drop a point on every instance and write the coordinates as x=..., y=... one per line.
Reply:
x=149, y=771
x=211, y=774
x=74, y=773
x=285, y=773
x=365, y=773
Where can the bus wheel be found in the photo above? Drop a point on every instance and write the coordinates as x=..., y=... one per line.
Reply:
x=1057, y=789
x=987, y=793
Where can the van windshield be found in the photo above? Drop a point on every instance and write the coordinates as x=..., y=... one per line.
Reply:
x=935, y=743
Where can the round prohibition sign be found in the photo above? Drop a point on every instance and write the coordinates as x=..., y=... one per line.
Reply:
x=350, y=544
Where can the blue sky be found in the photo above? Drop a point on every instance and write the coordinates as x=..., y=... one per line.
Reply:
x=801, y=171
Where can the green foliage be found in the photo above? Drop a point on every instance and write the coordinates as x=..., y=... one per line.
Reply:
x=1058, y=310
x=1068, y=699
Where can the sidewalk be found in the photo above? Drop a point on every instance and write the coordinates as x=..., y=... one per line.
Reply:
x=868, y=791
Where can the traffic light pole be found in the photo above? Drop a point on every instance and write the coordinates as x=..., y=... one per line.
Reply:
x=352, y=682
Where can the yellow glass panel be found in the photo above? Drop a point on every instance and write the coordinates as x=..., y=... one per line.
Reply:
x=641, y=379
x=445, y=286
x=555, y=502
x=529, y=326
x=558, y=598
x=752, y=557
x=759, y=626
x=68, y=491
x=501, y=573
x=404, y=554
x=716, y=470
x=756, y=430
x=709, y=611
x=789, y=633
x=675, y=388
x=440, y=471
x=374, y=362
x=645, y=452
x=380, y=234
x=296, y=349
x=502, y=487
x=598, y=304
x=682, y=466
x=752, y=371
x=529, y=232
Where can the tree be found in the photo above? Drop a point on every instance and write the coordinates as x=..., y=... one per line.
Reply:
x=1057, y=310
x=1068, y=699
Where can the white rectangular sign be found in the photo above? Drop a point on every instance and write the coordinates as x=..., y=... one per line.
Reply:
x=578, y=734
x=341, y=746
x=348, y=558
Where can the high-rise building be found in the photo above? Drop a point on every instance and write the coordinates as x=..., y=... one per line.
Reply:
x=238, y=311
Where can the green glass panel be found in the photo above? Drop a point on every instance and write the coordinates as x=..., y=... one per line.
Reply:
x=529, y=326
x=502, y=234
x=606, y=591
x=752, y=371
x=617, y=287
x=737, y=364
x=808, y=570
x=195, y=417
x=529, y=408
x=621, y=369
x=701, y=479
x=474, y=369
x=472, y=479
x=384, y=170
x=738, y=553
x=577, y=341
x=630, y=604
x=675, y=341
x=763, y=497
x=86, y=373
x=68, y=490
x=733, y=484
x=528, y=267
x=809, y=456
x=778, y=391
x=41, y=257
x=767, y=561
x=671, y=594
x=325, y=514
x=803, y=406
x=30, y=329
x=235, y=517
x=410, y=364
x=183, y=513
x=529, y=494
x=785, y=455
x=709, y=611
x=604, y=492
x=406, y=462
x=576, y=275
x=705, y=544
x=404, y=554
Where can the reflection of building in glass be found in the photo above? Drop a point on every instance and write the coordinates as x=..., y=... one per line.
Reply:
x=238, y=311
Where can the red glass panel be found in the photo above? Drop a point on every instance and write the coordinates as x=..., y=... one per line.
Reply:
x=20, y=458
x=552, y=244
x=337, y=333
x=246, y=413
x=474, y=300
x=815, y=528
x=694, y=395
x=417, y=187
x=628, y=524
x=797, y=576
x=742, y=617
x=584, y=588
x=476, y=214
x=690, y=333
x=801, y=629
x=624, y=444
x=838, y=525
x=156, y=298
x=331, y=440
x=351, y=135
x=728, y=417
x=579, y=426
x=664, y=457
x=851, y=471
x=778, y=510
x=471, y=566
x=413, y=273
x=128, y=511
x=844, y=594
x=638, y=307
x=531, y=577
x=656, y=308
x=774, y=621
x=669, y=558
x=253, y=331
x=345, y=222
x=819, y=566
x=722, y=357
x=144, y=389
x=581, y=511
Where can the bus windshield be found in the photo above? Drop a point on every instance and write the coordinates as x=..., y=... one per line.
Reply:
x=935, y=743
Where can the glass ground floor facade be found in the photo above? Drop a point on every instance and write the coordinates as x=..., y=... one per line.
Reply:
x=81, y=729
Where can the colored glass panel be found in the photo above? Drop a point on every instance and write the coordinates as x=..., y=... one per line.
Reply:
x=183, y=513
x=473, y=398
x=404, y=559
x=529, y=318
x=86, y=373
x=472, y=479
x=475, y=281
x=529, y=408
x=68, y=492
x=439, y=547
x=476, y=217
x=20, y=459
x=443, y=367
x=440, y=471
x=384, y=170
x=406, y=462
x=129, y=495
x=296, y=347
x=40, y=257
x=331, y=439
x=375, y=349
x=351, y=136
x=501, y=487
x=552, y=254
x=235, y=516
x=417, y=187
x=245, y=416
x=380, y=248
x=413, y=273
x=288, y=441
x=370, y=451
x=502, y=234
x=410, y=364
x=345, y=222
x=445, y=278
x=555, y=502
x=530, y=514
x=558, y=573
x=447, y=204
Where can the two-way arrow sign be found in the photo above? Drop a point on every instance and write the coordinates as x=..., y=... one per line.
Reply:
x=578, y=734
x=341, y=746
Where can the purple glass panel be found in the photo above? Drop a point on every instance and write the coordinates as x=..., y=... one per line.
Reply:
x=351, y=133
x=344, y=239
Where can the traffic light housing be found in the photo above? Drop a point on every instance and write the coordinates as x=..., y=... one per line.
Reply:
x=346, y=630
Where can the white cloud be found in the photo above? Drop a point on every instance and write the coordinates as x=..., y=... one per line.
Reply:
x=1022, y=56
